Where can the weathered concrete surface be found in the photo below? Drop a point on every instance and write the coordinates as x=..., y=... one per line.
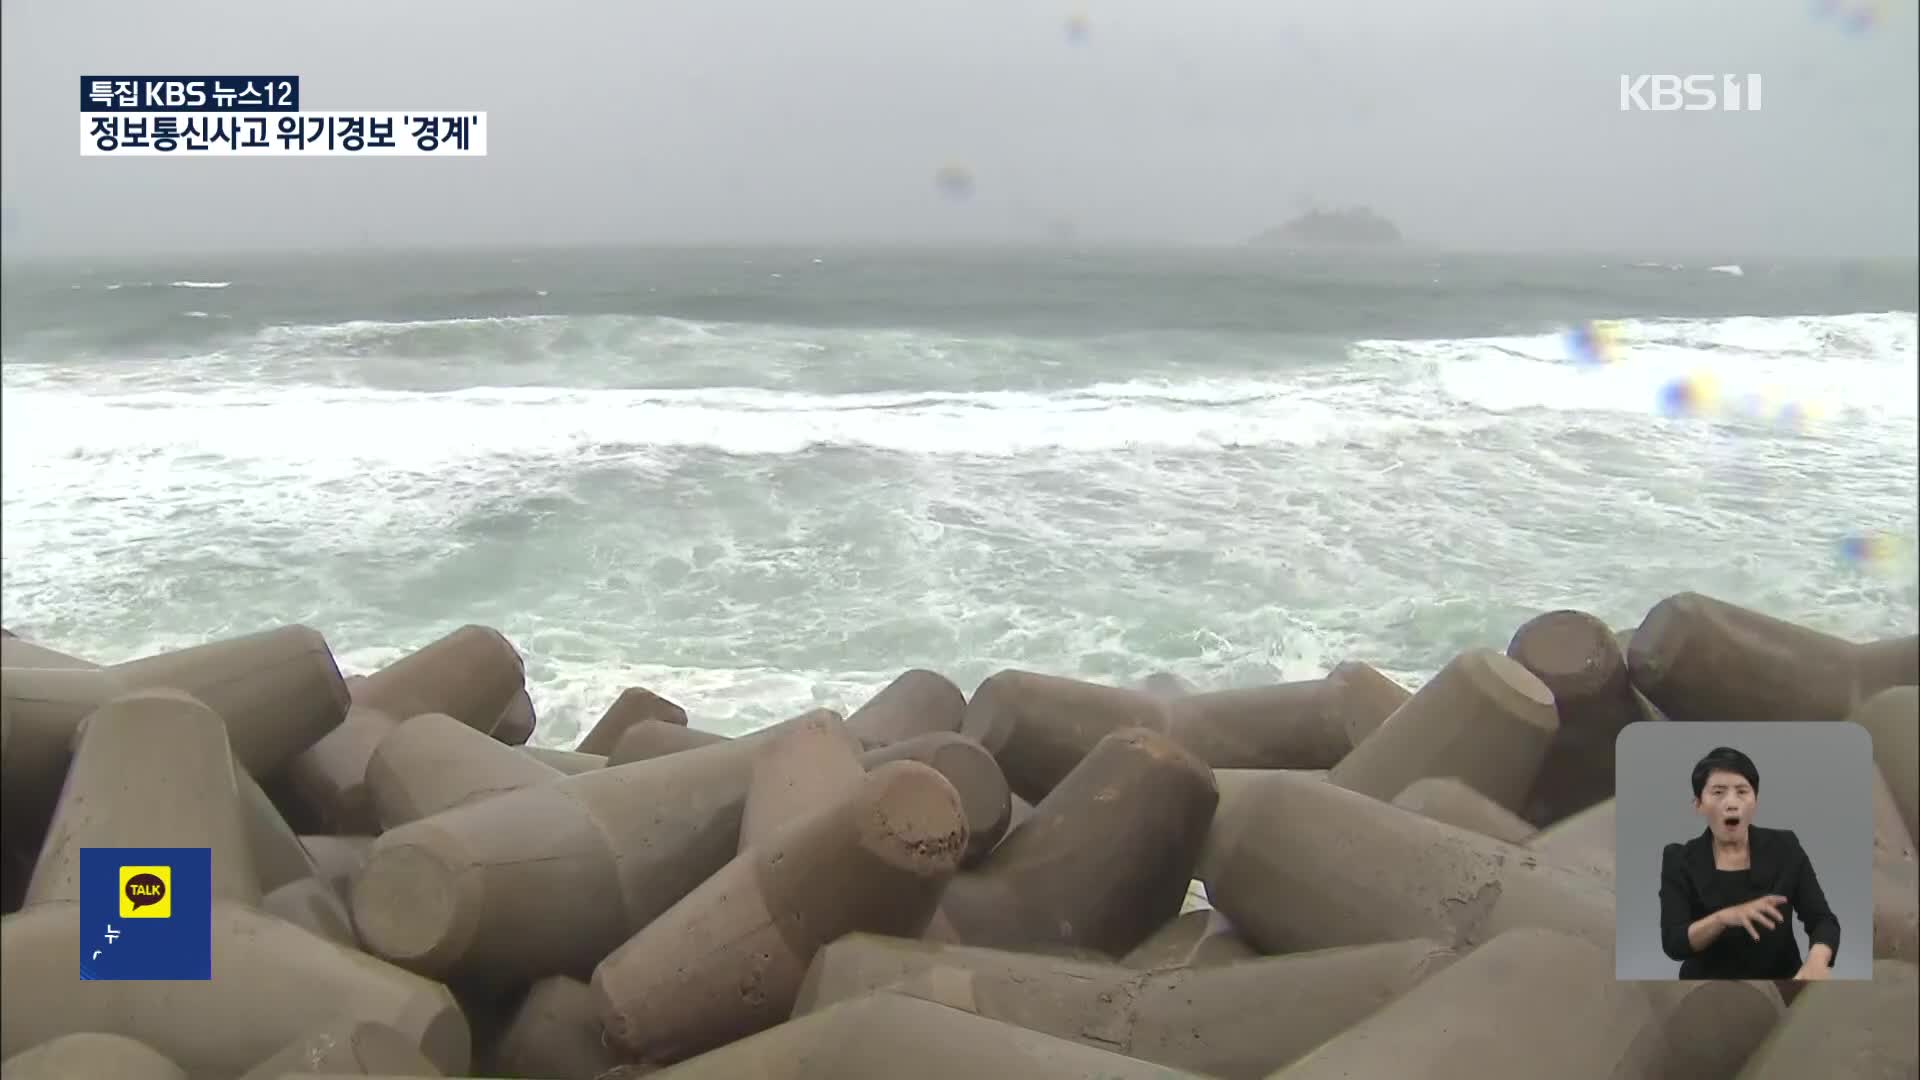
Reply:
x=1449, y=799
x=91, y=1056
x=727, y=960
x=1582, y=664
x=1105, y=860
x=634, y=705
x=1234, y=1021
x=919, y=702
x=1847, y=1030
x=871, y=1037
x=1483, y=718
x=1701, y=659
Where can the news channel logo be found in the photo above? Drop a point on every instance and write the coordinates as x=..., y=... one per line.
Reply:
x=1690, y=93
x=256, y=116
x=146, y=914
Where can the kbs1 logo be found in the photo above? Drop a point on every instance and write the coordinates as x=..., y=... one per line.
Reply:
x=1689, y=93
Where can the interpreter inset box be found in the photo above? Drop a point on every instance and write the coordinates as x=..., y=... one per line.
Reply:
x=1744, y=851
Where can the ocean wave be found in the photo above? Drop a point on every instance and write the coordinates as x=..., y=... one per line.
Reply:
x=200, y=284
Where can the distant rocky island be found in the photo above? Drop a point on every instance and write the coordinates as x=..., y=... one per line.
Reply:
x=1354, y=227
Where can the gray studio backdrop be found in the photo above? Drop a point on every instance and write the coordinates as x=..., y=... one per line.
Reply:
x=1815, y=779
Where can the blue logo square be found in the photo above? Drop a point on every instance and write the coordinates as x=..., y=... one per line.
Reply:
x=146, y=913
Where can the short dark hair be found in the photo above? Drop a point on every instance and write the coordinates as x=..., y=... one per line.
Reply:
x=1724, y=759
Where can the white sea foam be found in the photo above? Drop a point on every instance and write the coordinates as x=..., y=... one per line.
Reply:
x=200, y=284
x=1276, y=519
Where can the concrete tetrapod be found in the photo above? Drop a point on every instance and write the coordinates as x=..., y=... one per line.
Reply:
x=1847, y=1030
x=153, y=769
x=1167, y=686
x=555, y=1033
x=547, y=880
x=336, y=859
x=344, y=1045
x=1310, y=865
x=727, y=961
x=1581, y=663
x=1701, y=659
x=1104, y=861
x=1195, y=939
x=1234, y=1021
x=517, y=721
x=811, y=765
x=1892, y=717
x=1704, y=1030
x=19, y=652
x=278, y=856
x=1038, y=727
x=1527, y=1003
x=278, y=692
x=1449, y=799
x=91, y=1055
x=972, y=772
x=472, y=675
x=886, y=1036
x=1311, y=724
x=1482, y=718
x=1583, y=842
x=432, y=762
x=314, y=906
x=571, y=762
x=645, y=740
x=919, y=702
x=634, y=705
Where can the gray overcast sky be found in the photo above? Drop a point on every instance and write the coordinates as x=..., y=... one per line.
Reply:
x=1473, y=124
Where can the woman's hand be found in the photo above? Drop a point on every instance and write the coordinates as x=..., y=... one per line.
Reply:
x=1755, y=915
x=1813, y=971
x=1819, y=965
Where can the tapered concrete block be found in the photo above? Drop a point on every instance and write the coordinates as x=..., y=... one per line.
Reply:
x=556, y=1033
x=1853, y=1030
x=1019, y=811
x=1583, y=842
x=1483, y=718
x=432, y=762
x=547, y=880
x=645, y=740
x=91, y=1056
x=870, y=1038
x=336, y=859
x=314, y=906
x=634, y=705
x=1106, y=858
x=1365, y=871
x=345, y=1046
x=1891, y=841
x=810, y=766
x=1195, y=939
x=917, y=703
x=150, y=769
x=1701, y=659
x=1448, y=799
x=1167, y=686
x=728, y=960
x=472, y=675
x=1038, y=727
x=1581, y=663
x=1524, y=1001
x=1892, y=717
x=19, y=652
x=278, y=856
x=278, y=692
x=1231, y=1021
x=1704, y=1030
x=567, y=761
x=272, y=981
x=1311, y=724
x=972, y=772
x=1896, y=912
x=517, y=721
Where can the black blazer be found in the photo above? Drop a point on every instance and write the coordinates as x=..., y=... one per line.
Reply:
x=1691, y=889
